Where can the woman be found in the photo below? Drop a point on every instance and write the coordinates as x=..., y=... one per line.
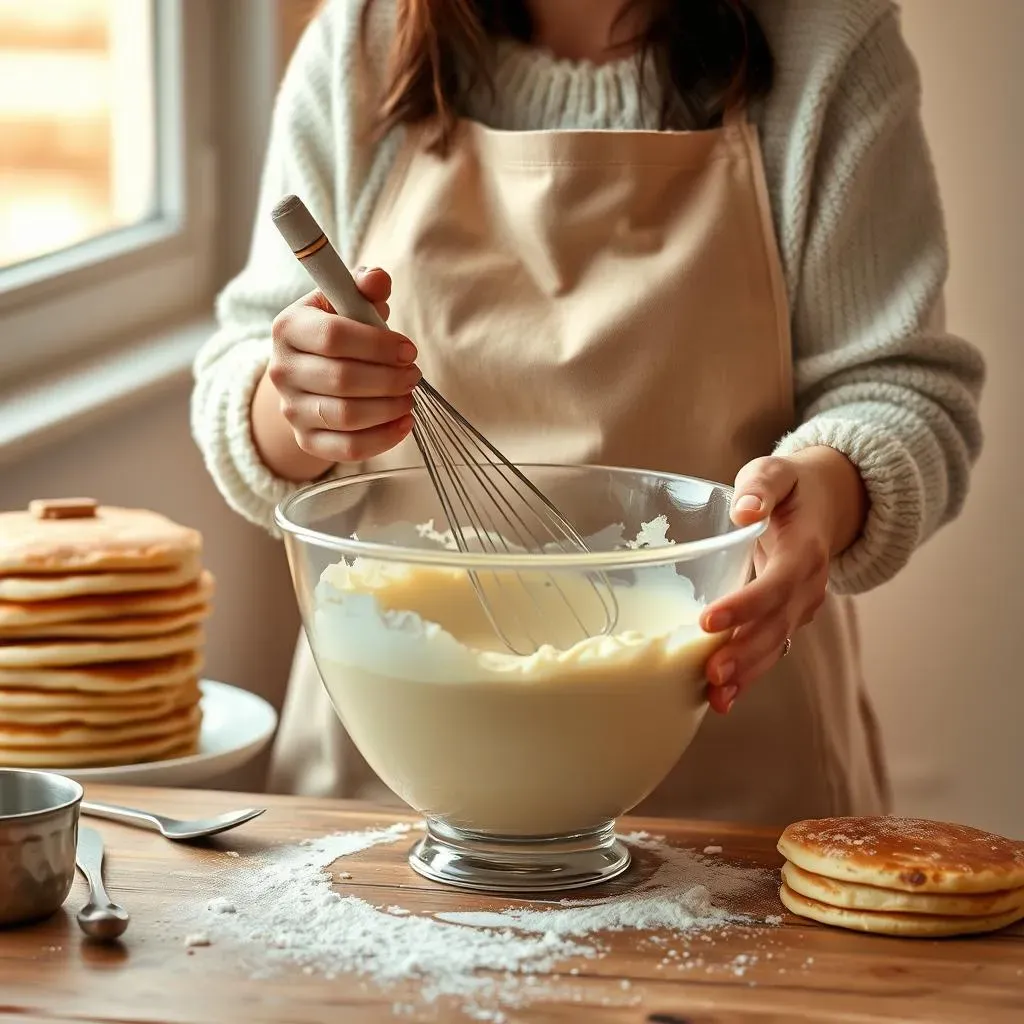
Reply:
x=699, y=236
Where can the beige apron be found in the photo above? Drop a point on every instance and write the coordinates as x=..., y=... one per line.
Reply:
x=615, y=297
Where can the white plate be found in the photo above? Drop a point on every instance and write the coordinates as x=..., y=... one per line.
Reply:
x=237, y=725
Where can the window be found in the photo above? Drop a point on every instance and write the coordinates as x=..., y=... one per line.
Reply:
x=106, y=173
x=79, y=154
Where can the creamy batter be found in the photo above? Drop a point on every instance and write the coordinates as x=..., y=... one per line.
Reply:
x=552, y=743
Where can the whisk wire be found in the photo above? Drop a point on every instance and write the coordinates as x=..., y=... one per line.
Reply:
x=437, y=457
x=444, y=437
x=501, y=501
x=512, y=475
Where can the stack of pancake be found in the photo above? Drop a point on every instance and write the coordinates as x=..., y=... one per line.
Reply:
x=101, y=635
x=902, y=876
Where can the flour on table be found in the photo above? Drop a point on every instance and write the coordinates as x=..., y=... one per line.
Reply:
x=286, y=915
x=678, y=897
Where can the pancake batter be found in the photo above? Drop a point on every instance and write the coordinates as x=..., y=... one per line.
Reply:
x=556, y=742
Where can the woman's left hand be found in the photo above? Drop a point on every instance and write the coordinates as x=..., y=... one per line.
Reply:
x=817, y=505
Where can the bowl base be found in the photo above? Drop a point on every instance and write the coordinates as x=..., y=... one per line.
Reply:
x=485, y=863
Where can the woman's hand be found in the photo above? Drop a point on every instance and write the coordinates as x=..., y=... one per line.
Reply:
x=344, y=389
x=817, y=505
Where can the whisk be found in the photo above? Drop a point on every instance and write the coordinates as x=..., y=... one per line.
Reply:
x=491, y=506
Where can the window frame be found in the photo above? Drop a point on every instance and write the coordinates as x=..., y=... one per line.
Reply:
x=112, y=289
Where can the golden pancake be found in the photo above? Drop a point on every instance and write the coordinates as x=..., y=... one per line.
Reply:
x=53, y=587
x=907, y=854
x=154, y=748
x=49, y=653
x=111, y=629
x=854, y=896
x=14, y=702
x=77, y=735
x=101, y=633
x=31, y=708
x=112, y=677
x=17, y=614
x=924, y=926
x=97, y=538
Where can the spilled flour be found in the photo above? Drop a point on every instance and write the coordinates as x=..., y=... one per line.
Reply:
x=280, y=911
x=677, y=897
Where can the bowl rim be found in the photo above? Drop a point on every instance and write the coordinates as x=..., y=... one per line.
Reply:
x=76, y=787
x=667, y=554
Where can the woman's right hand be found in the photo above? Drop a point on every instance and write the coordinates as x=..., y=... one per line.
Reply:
x=344, y=388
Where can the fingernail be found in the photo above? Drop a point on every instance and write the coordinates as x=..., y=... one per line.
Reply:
x=406, y=353
x=366, y=271
x=729, y=694
x=717, y=623
x=725, y=672
x=748, y=503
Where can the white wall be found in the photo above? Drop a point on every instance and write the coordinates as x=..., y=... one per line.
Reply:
x=944, y=640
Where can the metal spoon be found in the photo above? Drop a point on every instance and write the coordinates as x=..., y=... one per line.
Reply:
x=99, y=918
x=172, y=828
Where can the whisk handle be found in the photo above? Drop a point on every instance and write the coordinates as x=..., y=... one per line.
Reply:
x=311, y=246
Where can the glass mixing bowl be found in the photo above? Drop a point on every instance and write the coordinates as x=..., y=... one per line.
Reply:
x=520, y=763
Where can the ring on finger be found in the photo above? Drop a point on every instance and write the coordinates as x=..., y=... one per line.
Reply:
x=320, y=413
x=787, y=646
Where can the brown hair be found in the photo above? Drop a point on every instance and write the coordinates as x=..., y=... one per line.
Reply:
x=709, y=55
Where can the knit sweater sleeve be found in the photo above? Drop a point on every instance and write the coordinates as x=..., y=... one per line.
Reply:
x=877, y=376
x=315, y=153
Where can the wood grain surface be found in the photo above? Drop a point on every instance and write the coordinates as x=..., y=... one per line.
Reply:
x=802, y=971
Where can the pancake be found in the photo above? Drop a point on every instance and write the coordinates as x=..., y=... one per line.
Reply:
x=101, y=635
x=77, y=735
x=110, y=629
x=32, y=709
x=905, y=854
x=112, y=677
x=91, y=607
x=80, y=537
x=43, y=587
x=925, y=926
x=50, y=653
x=155, y=748
x=854, y=896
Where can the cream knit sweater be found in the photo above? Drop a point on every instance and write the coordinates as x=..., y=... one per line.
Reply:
x=856, y=211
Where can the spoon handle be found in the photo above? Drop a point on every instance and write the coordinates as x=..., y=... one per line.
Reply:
x=89, y=858
x=125, y=815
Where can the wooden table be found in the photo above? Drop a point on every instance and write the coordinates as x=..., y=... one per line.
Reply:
x=804, y=972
